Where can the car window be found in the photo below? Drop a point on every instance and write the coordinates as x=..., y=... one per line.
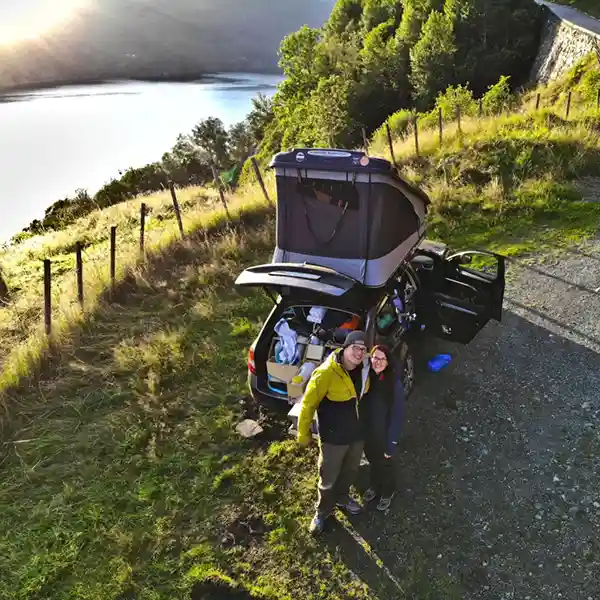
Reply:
x=480, y=264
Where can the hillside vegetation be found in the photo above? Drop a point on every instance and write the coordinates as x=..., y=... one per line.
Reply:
x=121, y=474
x=374, y=57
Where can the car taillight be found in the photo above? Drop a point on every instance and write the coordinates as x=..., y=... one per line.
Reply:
x=251, y=363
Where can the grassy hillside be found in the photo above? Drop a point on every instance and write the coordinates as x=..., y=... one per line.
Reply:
x=513, y=182
x=21, y=322
x=120, y=473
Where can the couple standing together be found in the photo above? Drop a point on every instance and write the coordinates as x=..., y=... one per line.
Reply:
x=359, y=403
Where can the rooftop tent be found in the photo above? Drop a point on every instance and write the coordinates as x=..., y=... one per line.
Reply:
x=346, y=211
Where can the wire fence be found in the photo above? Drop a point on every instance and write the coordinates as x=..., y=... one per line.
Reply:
x=79, y=250
x=419, y=124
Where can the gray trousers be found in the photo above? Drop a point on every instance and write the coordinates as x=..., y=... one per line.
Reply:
x=338, y=466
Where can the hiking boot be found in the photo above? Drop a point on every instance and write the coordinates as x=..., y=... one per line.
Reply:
x=369, y=495
x=317, y=524
x=351, y=506
x=385, y=502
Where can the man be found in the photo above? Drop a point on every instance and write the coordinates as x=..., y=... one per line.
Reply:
x=334, y=391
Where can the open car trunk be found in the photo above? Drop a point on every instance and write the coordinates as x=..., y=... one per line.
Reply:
x=316, y=308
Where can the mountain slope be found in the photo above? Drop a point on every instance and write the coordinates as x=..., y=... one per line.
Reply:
x=159, y=38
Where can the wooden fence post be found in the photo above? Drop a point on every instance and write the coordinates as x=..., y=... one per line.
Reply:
x=416, y=131
x=480, y=107
x=537, y=101
x=365, y=141
x=48, y=295
x=441, y=125
x=113, y=261
x=458, y=120
x=220, y=190
x=568, y=106
x=260, y=180
x=79, y=261
x=142, y=227
x=390, y=143
x=176, y=208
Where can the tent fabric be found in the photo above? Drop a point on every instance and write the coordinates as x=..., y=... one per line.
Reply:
x=362, y=224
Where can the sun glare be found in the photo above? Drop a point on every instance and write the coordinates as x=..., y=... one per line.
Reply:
x=30, y=19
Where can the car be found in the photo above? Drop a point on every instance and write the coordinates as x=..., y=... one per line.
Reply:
x=351, y=253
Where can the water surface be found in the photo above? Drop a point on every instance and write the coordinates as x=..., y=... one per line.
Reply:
x=55, y=141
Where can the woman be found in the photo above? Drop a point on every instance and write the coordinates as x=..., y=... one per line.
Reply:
x=382, y=415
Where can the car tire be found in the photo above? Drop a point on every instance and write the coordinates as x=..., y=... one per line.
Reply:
x=406, y=365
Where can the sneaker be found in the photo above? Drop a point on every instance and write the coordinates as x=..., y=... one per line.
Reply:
x=317, y=524
x=370, y=495
x=352, y=506
x=385, y=502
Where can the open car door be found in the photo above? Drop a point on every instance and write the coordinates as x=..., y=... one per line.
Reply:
x=470, y=293
x=284, y=279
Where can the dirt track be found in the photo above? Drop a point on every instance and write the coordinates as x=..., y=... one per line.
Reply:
x=500, y=463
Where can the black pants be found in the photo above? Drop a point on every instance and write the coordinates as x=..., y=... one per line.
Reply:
x=383, y=475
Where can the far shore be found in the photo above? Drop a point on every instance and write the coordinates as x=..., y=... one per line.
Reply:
x=10, y=93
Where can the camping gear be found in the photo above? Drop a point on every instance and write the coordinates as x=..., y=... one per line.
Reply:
x=345, y=211
x=304, y=374
x=286, y=349
x=316, y=314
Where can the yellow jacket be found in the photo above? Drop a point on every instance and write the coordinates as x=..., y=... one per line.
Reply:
x=331, y=393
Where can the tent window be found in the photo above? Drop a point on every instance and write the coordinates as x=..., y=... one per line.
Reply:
x=332, y=192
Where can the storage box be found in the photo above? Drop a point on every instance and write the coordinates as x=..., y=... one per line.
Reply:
x=284, y=373
x=314, y=352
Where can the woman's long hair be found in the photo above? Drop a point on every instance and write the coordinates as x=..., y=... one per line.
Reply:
x=388, y=372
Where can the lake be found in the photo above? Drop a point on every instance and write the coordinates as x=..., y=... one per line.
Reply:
x=57, y=140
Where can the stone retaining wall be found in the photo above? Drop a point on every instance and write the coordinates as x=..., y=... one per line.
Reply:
x=563, y=44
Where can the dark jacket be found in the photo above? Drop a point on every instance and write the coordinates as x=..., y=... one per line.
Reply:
x=382, y=412
x=331, y=393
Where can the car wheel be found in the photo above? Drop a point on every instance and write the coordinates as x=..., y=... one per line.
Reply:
x=406, y=364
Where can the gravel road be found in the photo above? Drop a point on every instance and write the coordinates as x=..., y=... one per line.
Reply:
x=500, y=463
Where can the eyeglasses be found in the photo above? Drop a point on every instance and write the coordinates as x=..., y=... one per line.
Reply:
x=357, y=348
x=379, y=359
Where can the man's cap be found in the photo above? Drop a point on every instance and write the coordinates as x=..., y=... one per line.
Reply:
x=355, y=337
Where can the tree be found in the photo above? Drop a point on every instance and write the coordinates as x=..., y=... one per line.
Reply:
x=345, y=16
x=414, y=15
x=210, y=135
x=432, y=59
x=376, y=12
x=298, y=54
x=241, y=142
x=260, y=116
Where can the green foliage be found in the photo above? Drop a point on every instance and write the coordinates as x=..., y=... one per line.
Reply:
x=498, y=97
x=454, y=97
x=432, y=59
x=211, y=137
x=375, y=57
